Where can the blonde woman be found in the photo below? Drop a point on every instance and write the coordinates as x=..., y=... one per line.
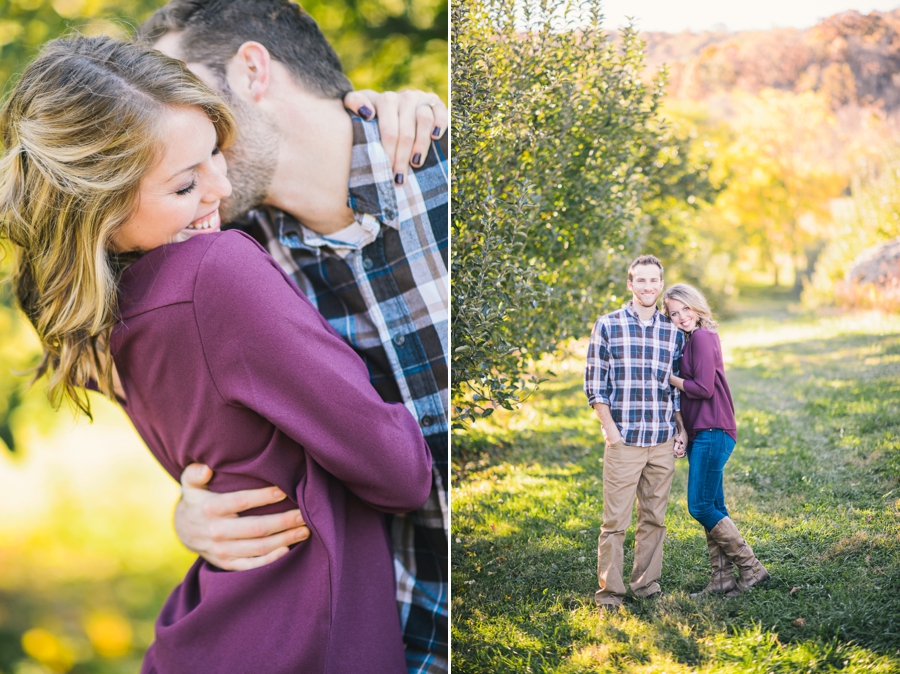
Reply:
x=110, y=186
x=708, y=413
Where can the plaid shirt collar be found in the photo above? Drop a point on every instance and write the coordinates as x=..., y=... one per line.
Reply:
x=371, y=195
x=629, y=308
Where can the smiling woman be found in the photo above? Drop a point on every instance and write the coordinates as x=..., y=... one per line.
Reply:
x=708, y=413
x=93, y=132
x=180, y=196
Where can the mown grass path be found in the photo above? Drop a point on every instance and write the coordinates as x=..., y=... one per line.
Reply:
x=813, y=484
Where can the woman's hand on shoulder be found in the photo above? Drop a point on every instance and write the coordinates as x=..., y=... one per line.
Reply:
x=408, y=121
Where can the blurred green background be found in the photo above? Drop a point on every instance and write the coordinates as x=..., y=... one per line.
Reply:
x=383, y=44
x=87, y=552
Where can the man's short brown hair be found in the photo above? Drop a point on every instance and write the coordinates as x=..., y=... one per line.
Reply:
x=213, y=30
x=644, y=259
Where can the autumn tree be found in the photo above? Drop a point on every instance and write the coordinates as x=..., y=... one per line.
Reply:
x=781, y=175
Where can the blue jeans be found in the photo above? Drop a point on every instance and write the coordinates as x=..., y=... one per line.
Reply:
x=707, y=454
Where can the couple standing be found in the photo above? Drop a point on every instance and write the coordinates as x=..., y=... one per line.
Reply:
x=313, y=412
x=636, y=356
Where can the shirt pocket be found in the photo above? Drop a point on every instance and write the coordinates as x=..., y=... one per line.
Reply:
x=662, y=371
x=664, y=366
x=665, y=358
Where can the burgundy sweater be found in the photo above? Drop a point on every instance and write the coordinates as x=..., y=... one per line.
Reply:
x=224, y=361
x=706, y=402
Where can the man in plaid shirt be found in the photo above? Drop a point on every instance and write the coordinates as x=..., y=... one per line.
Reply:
x=630, y=356
x=366, y=243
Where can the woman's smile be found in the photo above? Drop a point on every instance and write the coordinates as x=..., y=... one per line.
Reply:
x=208, y=223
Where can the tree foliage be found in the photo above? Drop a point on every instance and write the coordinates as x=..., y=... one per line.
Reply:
x=781, y=174
x=383, y=44
x=681, y=189
x=794, y=118
x=558, y=146
x=849, y=58
x=868, y=218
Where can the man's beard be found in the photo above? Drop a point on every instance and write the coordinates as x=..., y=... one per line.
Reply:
x=643, y=301
x=251, y=159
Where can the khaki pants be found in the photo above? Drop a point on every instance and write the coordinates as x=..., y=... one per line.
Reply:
x=629, y=471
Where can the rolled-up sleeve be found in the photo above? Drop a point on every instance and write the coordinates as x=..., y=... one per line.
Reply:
x=596, y=373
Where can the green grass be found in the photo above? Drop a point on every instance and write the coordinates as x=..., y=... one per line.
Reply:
x=814, y=485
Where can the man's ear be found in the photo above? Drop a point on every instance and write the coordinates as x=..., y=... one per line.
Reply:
x=250, y=71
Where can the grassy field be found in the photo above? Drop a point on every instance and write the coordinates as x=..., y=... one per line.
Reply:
x=814, y=486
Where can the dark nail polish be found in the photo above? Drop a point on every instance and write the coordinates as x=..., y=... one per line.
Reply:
x=417, y=158
x=437, y=132
x=365, y=113
x=398, y=178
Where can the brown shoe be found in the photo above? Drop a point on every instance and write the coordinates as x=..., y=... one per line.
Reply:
x=722, y=579
x=750, y=571
x=607, y=609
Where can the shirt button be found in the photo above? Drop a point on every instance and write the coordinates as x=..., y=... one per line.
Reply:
x=367, y=263
x=426, y=421
x=399, y=340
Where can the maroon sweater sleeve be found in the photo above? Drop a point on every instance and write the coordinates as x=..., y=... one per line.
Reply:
x=268, y=349
x=705, y=353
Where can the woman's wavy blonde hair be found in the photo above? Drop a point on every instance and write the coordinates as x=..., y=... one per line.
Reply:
x=79, y=131
x=692, y=299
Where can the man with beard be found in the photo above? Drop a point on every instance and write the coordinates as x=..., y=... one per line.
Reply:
x=630, y=356
x=374, y=263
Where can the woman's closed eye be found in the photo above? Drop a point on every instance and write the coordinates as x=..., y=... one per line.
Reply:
x=188, y=189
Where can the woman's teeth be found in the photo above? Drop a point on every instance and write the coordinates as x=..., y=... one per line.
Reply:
x=209, y=223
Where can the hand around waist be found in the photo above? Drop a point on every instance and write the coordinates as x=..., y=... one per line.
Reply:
x=208, y=524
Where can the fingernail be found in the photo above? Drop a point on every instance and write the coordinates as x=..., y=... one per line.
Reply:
x=277, y=493
x=417, y=158
x=437, y=132
x=365, y=113
x=398, y=178
x=299, y=520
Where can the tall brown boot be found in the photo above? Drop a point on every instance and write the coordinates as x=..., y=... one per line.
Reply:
x=722, y=579
x=750, y=570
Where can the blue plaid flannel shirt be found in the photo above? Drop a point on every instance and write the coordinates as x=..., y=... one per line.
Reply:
x=628, y=368
x=383, y=285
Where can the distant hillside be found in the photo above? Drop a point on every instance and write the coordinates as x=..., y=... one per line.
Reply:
x=853, y=58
